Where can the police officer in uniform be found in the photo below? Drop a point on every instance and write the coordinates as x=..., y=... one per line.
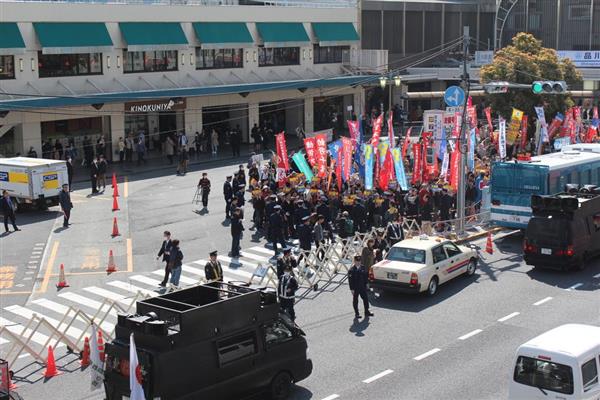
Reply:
x=204, y=186
x=228, y=195
x=286, y=260
x=287, y=292
x=358, y=279
x=276, y=228
x=305, y=236
x=213, y=269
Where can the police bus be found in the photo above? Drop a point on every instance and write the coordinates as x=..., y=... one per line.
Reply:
x=513, y=183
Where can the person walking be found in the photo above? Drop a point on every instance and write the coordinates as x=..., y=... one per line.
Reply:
x=94, y=175
x=395, y=233
x=183, y=161
x=121, y=145
x=236, y=232
x=213, y=270
x=228, y=195
x=8, y=210
x=286, y=290
x=204, y=187
x=276, y=229
x=129, y=145
x=214, y=141
x=175, y=264
x=305, y=237
x=368, y=254
x=287, y=260
x=169, y=149
x=140, y=147
x=102, y=167
x=64, y=199
x=69, y=171
x=319, y=236
x=165, y=252
x=358, y=280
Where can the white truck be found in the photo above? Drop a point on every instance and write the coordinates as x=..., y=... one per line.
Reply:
x=33, y=182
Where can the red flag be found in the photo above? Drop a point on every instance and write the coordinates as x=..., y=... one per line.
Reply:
x=385, y=172
x=417, y=167
x=391, y=137
x=406, y=143
x=425, y=146
x=283, y=164
x=377, y=125
x=454, y=160
x=595, y=115
x=338, y=171
x=354, y=131
x=321, y=154
x=524, y=132
x=591, y=133
x=310, y=145
x=346, y=152
x=488, y=116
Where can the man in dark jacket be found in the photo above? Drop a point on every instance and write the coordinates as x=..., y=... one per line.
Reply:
x=285, y=261
x=165, y=252
x=236, y=232
x=228, y=195
x=204, y=187
x=287, y=292
x=8, y=210
x=213, y=270
x=276, y=228
x=94, y=170
x=395, y=233
x=64, y=199
x=358, y=279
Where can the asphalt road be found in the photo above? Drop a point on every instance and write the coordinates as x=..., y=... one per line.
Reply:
x=457, y=345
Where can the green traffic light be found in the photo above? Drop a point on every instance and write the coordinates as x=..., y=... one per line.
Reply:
x=537, y=88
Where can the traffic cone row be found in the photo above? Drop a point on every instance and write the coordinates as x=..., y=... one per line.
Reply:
x=85, y=355
x=115, y=230
x=50, y=364
x=115, y=204
x=62, y=281
x=111, y=263
x=114, y=180
x=489, y=248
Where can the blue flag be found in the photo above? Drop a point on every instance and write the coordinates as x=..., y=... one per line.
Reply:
x=443, y=145
x=369, y=163
x=471, y=159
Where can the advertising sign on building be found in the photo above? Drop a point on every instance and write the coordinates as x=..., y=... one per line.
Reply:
x=159, y=105
x=433, y=121
x=582, y=59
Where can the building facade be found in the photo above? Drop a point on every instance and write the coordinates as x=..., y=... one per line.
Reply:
x=71, y=70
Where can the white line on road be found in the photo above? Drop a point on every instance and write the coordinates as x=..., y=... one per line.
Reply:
x=468, y=335
x=332, y=397
x=542, y=301
x=575, y=286
x=427, y=354
x=379, y=375
x=597, y=276
x=509, y=316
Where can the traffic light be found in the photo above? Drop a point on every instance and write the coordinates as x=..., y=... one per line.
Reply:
x=549, y=87
x=496, y=87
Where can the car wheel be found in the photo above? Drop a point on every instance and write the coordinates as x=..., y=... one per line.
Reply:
x=433, y=286
x=471, y=267
x=281, y=386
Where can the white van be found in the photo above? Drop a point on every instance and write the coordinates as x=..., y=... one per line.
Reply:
x=562, y=363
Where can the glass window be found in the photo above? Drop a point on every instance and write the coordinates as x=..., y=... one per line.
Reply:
x=596, y=221
x=150, y=61
x=7, y=67
x=544, y=374
x=438, y=254
x=55, y=65
x=278, y=56
x=589, y=374
x=236, y=348
x=219, y=58
x=276, y=333
x=451, y=249
x=329, y=54
x=406, y=254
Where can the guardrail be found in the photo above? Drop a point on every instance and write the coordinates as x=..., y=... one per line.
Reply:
x=230, y=3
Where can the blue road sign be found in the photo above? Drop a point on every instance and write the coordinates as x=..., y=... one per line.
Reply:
x=454, y=96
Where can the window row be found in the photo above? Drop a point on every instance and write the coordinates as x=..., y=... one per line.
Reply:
x=329, y=54
x=56, y=65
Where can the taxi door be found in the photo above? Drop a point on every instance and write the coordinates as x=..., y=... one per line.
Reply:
x=456, y=262
x=439, y=260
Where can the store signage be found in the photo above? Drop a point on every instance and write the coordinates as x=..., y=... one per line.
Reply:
x=484, y=57
x=160, y=105
x=582, y=58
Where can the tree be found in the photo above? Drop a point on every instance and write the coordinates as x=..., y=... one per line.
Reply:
x=526, y=61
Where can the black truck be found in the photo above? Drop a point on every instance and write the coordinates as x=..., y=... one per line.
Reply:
x=213, y=341
x=564, y=231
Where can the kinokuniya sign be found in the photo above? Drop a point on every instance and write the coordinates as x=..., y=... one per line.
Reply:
x=160, y=105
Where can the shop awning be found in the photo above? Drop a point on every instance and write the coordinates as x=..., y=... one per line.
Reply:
x=282, y=34
x=220, y=35
x=335, y=33
x=73, y=37
x=141, y=36
x=11, y=41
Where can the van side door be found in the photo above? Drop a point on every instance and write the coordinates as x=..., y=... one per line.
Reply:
x=438, y=260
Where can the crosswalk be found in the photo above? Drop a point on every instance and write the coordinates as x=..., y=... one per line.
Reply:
x=97, y=300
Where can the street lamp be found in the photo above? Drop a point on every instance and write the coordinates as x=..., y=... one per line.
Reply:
x=383, y=81
x=390, y=82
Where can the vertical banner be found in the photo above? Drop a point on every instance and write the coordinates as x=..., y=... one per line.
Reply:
x=369, y=161
x=303, y=166
x=417, y=167
x=488, y=116
x=595, y=113
x=346, y=157
x=406, y=143
x=445, y=162
x=390, y=124
x=565, y=129
x=472, y=144
x=399, y=168
x=555, y=124
x=524, y=123
x=377, y=125
x=433, y=121
x=443, y=145
x=96, y=365
x=359, y=158
x=515, y=126
x=472, y=116
x=382, y=149
x=338, y=170
x=353, y=128
x=502, y=137
x=321, y=154
x=283, y=164
x=454, y=161
x=591, y=133
x=385, y=173
x=310, y=145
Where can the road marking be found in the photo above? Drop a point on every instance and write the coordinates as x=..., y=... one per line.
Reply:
x=184, y=279
x=126, y=187
x=36, y=252
x=597, y=276
x=82, y=300
x=144, y=279
x=32, y=262
x=542, y=301
x=470, y=334
x=239, y=262
x=129, y=256
x=509, y=316
x=28, y=314
x=49, y=268
x=192, y=270
x=379, y=375
x=262, y=250
x=427, y=354
x=106, y=294
x=131, y=288
x=40, y=244
x=36, y=257
x=37, y=337
x=251, y=256
x=62, y=309
x=575, y=286
x=332, y=397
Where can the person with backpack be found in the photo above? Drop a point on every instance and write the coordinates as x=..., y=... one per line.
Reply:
x=175, y=264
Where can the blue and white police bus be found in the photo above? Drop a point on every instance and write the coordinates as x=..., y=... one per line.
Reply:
x=513, y=183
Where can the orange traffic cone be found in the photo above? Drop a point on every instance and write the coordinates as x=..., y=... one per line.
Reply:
x=100, y=345
x=50, y=364
x=115, y=231
x=116, y=191
x=111, y=263
x=115, y=204
x=62, y=281
x=114, y=180
x=85, y=355
x=6, y=381
x=488, y=246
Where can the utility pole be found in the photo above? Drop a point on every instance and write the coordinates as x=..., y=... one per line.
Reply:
x=462, y=143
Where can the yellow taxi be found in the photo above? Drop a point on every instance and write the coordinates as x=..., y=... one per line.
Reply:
x=421, y=264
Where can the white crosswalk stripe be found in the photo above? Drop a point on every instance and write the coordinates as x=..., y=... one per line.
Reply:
x=61, y=309
x=131, y=288
x=108, y=294
x=17, y=329
x=80, y=300
x=256, y=257
x=145, y=280
x=182, y=279
x=28, y=314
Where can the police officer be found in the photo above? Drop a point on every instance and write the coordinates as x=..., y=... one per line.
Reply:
x=276, y=228
x=228, y=195
x=204, y=186
x=287, y=292
x=305, y=236
x=213, y=269
x=358, y=279
x=286, y=260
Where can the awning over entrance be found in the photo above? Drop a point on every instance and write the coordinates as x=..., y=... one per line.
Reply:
x=11, y=41
x=141, y=36
x=219, y=35
x=282, y=34
x=73, y=37
x=335, y=33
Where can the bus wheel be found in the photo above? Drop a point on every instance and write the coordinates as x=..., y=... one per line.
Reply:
x=281, y=386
